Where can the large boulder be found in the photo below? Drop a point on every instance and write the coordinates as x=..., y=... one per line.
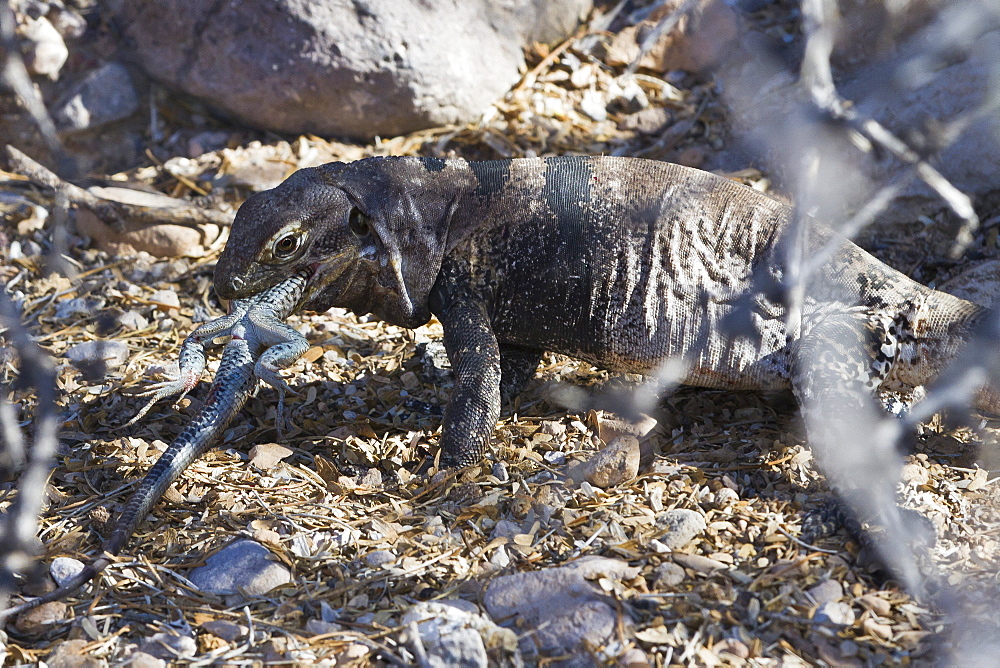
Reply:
x=905, y=89
x=359, y=69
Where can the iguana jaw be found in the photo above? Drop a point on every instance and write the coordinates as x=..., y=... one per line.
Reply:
x=349, y=281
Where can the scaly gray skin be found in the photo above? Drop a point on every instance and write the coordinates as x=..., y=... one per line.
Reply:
x=260, y=346
x=621, y=262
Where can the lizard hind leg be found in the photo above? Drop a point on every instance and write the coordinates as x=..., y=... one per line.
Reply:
x=266, y=369
x=841, y=359
x=517, y=368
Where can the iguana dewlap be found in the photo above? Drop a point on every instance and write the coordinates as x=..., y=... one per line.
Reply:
x=621, y=262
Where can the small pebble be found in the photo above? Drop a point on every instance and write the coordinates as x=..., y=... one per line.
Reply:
x=725, y=496
x=610, y=427
x=552, y=427
x=318, y=627
x=73, y=308
x=828, y=591
x=634, y=658
x=328, y=614
x=91, y=353
x=668, y=575
x=452, y=635
x=267, y=456
x=372, y=478
x=499, y=471
x=104, y=96
x=63, y=569
x=166, y=299
x=698, y=563
x=505, y=529
x=243, y=567
x=73, y=654
x=648, y=121
x=680, y=526
x=67, y=22
x=144, y=660
x=133, y=321
x=267, y=536
x=47, y=52
x=169, y=647
x=228, y=631
x=554, y=457
x=594, y=106
x=876, y=604
x=836, y=613
x=378, y=558
x=615, y=464
x=915, y=475
x=40, y=619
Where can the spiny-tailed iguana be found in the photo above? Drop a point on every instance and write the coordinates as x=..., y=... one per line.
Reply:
x=620, y=262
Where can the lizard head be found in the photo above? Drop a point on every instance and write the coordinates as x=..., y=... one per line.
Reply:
x=369, y=235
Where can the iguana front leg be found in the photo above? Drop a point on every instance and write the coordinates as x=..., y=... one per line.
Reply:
x=472, y=413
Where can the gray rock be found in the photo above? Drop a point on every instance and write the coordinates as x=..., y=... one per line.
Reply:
x=63, y=569
x=267, y=456
x=91, y=353
x=167, y=299
x=648, y=121
x=680, y=527
x=616, y=463
x=73, y=654
x=379, y=558
x=972, y=162
x=72, y=308
x=319, y=627
x=453, y=636
x=242, y=567
x=144, y=660
x=363, y=68
x=827, y=591
x=902, y=93
x=505, y=529
x=228, y=631
x=104, y=96
x=169, y=647
x=668, y=575
x=133, y=321
x=562, y=606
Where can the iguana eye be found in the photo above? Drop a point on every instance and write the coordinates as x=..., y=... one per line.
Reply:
x=287, y=245
x=358, y=223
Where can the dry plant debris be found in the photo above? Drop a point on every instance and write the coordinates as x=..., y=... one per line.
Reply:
x=366, y=536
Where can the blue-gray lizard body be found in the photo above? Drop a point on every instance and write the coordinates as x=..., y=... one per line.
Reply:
x=260, y=346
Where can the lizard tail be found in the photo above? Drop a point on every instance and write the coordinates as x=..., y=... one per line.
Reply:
x=233, y=386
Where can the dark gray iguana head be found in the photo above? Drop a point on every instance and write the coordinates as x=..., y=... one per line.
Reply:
x=370, y=234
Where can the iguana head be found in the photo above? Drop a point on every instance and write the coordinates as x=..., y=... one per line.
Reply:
x=370, y=235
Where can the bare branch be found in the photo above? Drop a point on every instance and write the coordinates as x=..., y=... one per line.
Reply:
x=19, y=524
x=112, y=211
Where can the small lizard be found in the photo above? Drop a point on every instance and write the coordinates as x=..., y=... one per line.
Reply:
x=620, y=262
x=259, y=347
